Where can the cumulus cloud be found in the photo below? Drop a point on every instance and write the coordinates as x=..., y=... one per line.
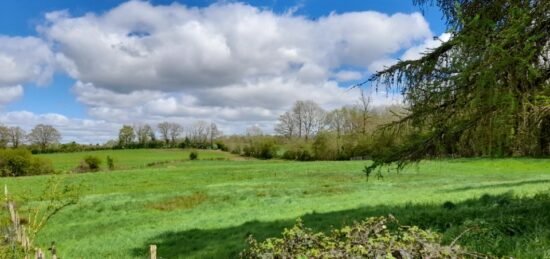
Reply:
x=80, y=130
x=138, y=46
x=10, y=94
x=23, y=60
x=231, y=63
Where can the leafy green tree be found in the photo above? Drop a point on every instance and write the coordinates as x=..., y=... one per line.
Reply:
x=484, y=92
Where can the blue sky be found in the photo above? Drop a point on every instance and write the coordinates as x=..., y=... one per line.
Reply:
x=75, y=90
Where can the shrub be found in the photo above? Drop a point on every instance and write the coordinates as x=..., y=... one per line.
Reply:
x=93, y=162
x=324, y=147
x=193, y=155
x=89, y=164
x=21, y=162
x=262, y=148
x=299, y=153
x=110, y=163
x=236, y=150
x=372, y=238
x=222, y=146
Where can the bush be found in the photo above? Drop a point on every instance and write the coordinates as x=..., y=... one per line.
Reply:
x=222, y=146
x=193, y=155
x=21, y=162
x=299, y=151
x=110, y=163
x=93, y=162
x=372, y=238
x=89, y=164
x=236, y=150
x=262, y=148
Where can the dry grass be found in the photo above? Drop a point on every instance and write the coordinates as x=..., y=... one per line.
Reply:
x=180, y=202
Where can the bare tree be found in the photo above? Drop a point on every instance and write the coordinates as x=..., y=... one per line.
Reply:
x=175, y=132
x=143, y=133
x=286, y=125
x=304, y=120
x=44, y=135
x=336, y=121
x=313, y=118
x=298, y=114
x=254, y=131
x=364, y=104
x=199, y=132
x=164, y=130
x=17, y=136
x=126, y=135
x=213, y=132
x=4, y=136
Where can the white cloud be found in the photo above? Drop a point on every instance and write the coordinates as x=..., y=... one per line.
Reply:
x=230, y=63
x=25, y=59
x=348, y=75
x=10, y=93
x=138, y=46
x=80, y=130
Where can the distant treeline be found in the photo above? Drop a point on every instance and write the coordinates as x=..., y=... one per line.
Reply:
x=305, y=132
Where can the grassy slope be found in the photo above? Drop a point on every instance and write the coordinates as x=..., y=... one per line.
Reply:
x=207, y=208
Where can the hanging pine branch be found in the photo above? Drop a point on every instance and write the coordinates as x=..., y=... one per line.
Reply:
x=484, y=92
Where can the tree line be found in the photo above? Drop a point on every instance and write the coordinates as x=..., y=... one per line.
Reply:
x=41, y=136
x=308, y=132
x=200, y=134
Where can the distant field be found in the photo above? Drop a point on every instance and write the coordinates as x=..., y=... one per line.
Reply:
x=206, y=209
x=126, y=159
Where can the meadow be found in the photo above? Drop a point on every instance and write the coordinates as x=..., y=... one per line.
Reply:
x=208, y=207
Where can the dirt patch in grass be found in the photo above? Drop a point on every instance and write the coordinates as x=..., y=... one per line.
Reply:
x=164, y=163
x=180, y=202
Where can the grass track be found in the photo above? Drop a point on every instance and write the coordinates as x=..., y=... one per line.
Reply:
x=205, y=209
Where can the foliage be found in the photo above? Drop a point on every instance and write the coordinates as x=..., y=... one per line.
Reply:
x=93, y=162
x=55, y=196
x=261, y=147
x=299, y=151
x=262, y=197
x=110, y=163
x=90, y=163
x=193, y=155
x=376, y=237
x=20, y=162
x=484, y=92
x=221, y=146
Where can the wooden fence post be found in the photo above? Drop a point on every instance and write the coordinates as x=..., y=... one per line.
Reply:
x=39, y=254
x=54, y=251
x=153, y=250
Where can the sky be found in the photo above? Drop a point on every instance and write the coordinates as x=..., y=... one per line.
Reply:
x=88, y=67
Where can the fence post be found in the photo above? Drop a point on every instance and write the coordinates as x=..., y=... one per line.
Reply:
x=54, y=251
x=39, y=254
x=153, y=250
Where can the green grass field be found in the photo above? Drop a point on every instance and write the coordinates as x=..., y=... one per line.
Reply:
x=207, y=208
x=132, y=159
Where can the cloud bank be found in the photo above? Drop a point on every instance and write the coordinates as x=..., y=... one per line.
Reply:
x=231, y=63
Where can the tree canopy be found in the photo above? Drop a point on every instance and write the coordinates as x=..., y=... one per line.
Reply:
x=484, y=92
